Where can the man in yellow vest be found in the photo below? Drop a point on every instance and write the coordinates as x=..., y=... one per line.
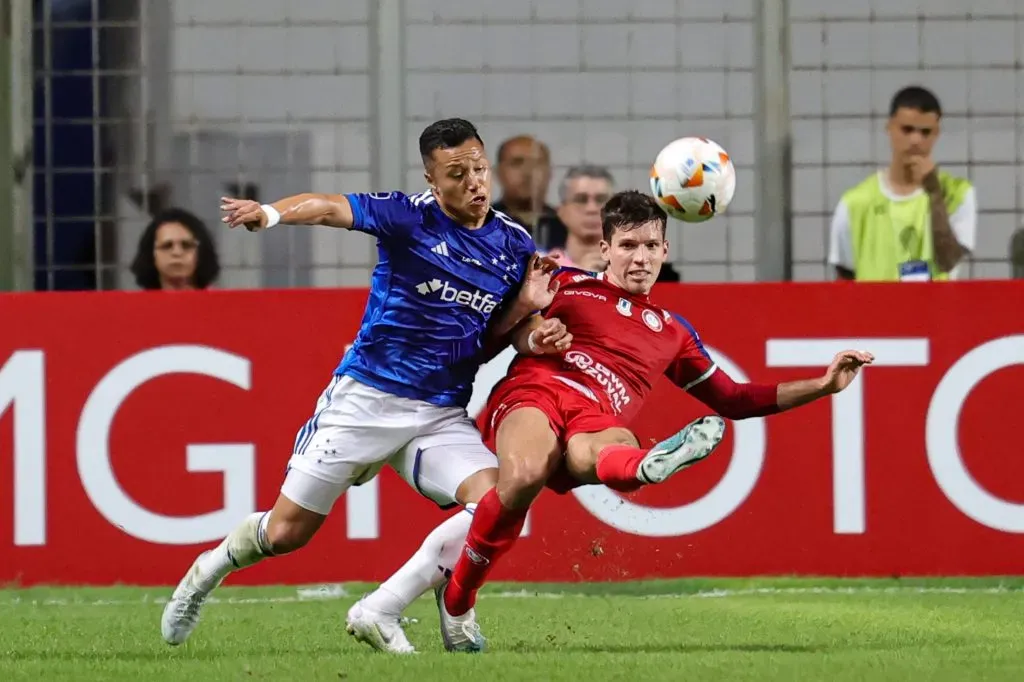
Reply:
x=910, y=222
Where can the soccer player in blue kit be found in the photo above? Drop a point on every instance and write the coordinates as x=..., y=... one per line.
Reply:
x=455, y=280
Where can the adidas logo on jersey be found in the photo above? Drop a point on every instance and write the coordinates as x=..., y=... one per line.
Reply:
x=442, y=250
x=484, y=303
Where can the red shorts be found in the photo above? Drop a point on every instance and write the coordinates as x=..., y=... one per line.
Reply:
x=570, y=407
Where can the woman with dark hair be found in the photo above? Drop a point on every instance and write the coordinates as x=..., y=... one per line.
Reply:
x=175, y=252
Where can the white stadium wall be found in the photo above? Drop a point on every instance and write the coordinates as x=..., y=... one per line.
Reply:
x=607, y=82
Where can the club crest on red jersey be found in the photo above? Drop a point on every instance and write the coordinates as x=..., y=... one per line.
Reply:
x=625, y=307
x=652, y=320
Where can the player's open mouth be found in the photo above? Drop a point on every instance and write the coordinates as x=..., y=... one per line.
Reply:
x=479, y=200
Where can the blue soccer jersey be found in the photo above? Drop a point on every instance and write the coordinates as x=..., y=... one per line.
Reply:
x=433, y=293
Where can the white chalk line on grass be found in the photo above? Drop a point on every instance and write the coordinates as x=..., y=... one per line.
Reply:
x=338, y=592
x=864, y=590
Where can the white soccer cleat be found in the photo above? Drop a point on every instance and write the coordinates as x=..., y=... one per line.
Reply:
x=459, y=633
x=181, y=614
x=695, y=442
x=383, y=633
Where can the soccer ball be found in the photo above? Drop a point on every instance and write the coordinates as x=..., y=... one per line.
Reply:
x=693, y=179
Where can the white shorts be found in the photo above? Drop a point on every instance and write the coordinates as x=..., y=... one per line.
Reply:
x=356, y=430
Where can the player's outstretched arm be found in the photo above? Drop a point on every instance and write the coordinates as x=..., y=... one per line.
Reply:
x=332, y=210
x=736, y=401
x=840, y=374
x=743, y=401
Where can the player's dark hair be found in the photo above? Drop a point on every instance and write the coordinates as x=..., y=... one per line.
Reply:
x=446, y=134
x=917, y=98
x=207, y=263
x=629, y=210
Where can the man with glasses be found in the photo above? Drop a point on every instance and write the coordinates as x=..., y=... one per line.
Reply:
x=582, y=193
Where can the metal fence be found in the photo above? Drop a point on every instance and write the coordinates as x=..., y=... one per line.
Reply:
x=175, y=102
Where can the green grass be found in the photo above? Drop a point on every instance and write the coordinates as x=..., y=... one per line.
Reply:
x=764, y=629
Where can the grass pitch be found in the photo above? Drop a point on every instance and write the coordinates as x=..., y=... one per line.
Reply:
x=766, y=629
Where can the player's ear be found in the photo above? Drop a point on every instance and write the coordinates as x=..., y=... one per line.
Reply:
x=605, y=250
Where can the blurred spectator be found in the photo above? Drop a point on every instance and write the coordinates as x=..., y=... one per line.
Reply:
x=176, y=252
x=524, y=173
x=583, y=192
x=911, y=221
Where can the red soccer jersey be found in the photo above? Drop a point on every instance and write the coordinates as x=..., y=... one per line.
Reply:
x=621, y=343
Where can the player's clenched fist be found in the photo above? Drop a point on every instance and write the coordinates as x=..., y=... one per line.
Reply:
x=243, y=212
x=550, y=336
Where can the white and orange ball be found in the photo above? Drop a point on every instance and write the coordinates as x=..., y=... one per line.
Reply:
x=693, y=179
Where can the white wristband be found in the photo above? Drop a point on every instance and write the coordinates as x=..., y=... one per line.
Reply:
x=273, y=217
x=529, y=342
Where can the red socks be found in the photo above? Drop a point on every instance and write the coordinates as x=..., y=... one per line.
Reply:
x=495, y=528
x=493, y=532
x=617, y=466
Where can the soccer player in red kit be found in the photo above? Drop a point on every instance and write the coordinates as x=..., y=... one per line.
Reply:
x=561, y=421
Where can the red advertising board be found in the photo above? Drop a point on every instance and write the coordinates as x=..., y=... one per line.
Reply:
x=138, y=428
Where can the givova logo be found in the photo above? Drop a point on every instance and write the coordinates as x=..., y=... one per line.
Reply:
x=481, y=302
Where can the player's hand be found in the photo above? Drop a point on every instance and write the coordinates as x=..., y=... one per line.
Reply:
x=538, y=289
x=550, y=337
x=246, y=212
x=844, y=369
x=920, y=168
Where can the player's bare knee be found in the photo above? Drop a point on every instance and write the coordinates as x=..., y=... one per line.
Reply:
x=522, y=479
x=519, y=489
x=581, y=463
x=516, y=493
x=528, y=452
